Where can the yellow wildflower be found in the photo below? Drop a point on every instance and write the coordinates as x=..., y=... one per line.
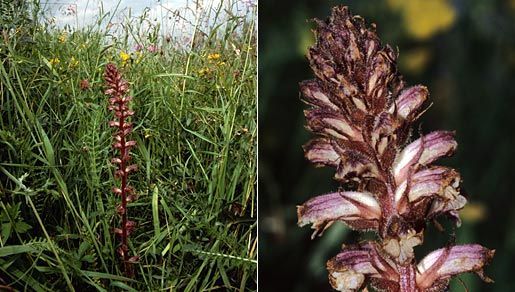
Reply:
x=221, y=63
x=415, y=60
x=62, y=37
x=424, y=18
x=204, y=71
x=148, y=133
x=215, y=56
x=73, y=62
x=54, y=61
x=125, y=57
x=139, y=57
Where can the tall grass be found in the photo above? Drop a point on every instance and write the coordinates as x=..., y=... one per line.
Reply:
x=195, y=126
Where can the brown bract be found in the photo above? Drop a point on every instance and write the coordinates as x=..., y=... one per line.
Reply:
x=362, y=113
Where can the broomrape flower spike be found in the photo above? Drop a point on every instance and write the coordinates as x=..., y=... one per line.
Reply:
x=362, y=112
x=117, y=89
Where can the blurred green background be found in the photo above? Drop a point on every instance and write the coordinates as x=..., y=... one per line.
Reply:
x=464, y=51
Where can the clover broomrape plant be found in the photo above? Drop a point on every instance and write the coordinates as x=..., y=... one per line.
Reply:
x=117, y=89
x=362, y=113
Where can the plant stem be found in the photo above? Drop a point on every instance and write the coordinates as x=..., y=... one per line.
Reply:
x=123, y=154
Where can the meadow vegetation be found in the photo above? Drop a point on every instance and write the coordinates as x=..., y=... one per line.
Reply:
x=195, y=127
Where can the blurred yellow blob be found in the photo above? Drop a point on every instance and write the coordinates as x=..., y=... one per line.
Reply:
x=473, y=212
x=54, y=61
x=62, y=37
x=139, y=57
x=424, y=18
x=125, y=57
x=415, y=61
x=213, y=56
x=73, y=62
x=306, y=40
x=148, y=134
x=204, y=71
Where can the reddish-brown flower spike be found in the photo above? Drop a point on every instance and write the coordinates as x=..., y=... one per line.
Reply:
x=117, y=89
x=362, y=114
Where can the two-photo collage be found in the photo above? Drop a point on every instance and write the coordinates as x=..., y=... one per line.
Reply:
x=245, y=145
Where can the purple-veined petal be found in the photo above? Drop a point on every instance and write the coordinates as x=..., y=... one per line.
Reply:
x=321, y=152
x=130, y=143
x=444, y=263
x=359, y=210
x=441, y=181
x=410, y=100
x=437, y=180
x=407, y=278
x=423, y=151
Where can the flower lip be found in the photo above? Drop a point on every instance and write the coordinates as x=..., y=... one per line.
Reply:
x=443, y=263
x=359, y=210
x=322, y=152
x=423, y=151
x=410, y=100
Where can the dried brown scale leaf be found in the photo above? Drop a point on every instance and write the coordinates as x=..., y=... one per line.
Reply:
x=362, y=114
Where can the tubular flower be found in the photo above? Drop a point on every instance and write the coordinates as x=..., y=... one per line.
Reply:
x=362, y=113
x=117, y=89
